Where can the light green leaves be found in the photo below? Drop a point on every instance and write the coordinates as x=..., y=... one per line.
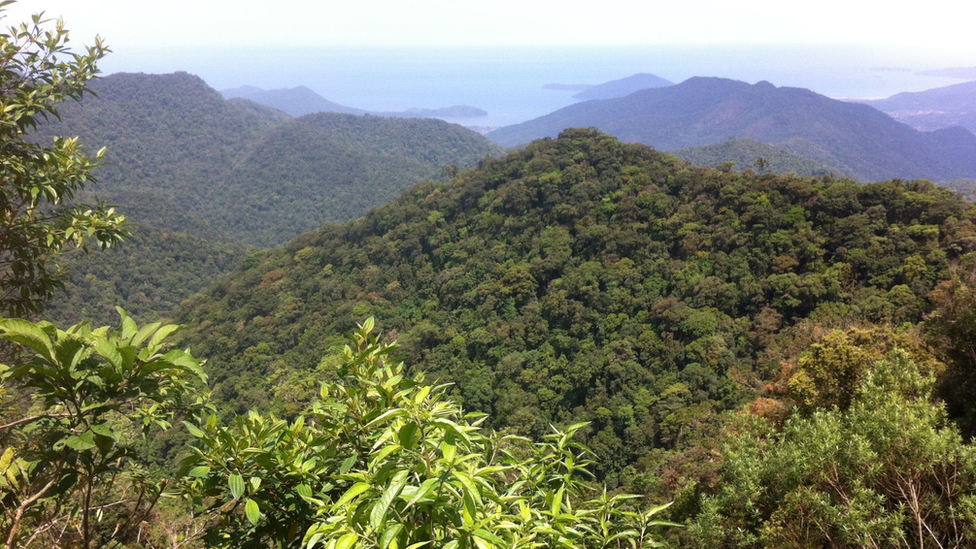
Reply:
x=236, y=485
x=252, y=511
x=427, y=474
x=378, y=515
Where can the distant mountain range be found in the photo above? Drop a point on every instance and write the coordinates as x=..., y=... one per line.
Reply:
x=301, y=101
x=932, y=109
x=623, y=87
x=854, y=139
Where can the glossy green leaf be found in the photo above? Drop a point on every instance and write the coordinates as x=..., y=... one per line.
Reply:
x=236, y=484
x=199, y=471
x=378, y=515
x=389, y=535
x=252, y=511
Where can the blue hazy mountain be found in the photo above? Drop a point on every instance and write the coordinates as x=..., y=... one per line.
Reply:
x=855, y=139
x=302, y=100
x=623, y=86
x=932, y=109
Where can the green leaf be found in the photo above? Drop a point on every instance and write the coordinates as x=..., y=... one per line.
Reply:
x=193, y=429
x=199, y=471
x=6, y=458
x=389, y=534
x=488, y=536
x=109, y=352
x=347, y=541
x=469, y=485
x=105, y=430
x=378, y=515
x=557, y=501
x=27, y=334
x=236, y=485
x=386, y=415
x=347, y=464
x=144, y=334
x=352, y=492
x=451, y=427
x=162, y=334
x=408, y=435
x=81, y=443
x=252, y=511
x=421, y=492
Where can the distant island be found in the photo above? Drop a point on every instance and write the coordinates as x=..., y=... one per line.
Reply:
x=567, y=87
x=967, y=73
x=623, y=87
x=301, y=101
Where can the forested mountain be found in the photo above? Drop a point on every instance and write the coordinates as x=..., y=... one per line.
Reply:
x=623, y=87
x=932, y=109
x=184, y=162
x=855, y=139
x=744, y=153
x=583, y=279
x=172, y=140
x=148, y=276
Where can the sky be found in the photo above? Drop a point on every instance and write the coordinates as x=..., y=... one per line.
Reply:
x=943, y=25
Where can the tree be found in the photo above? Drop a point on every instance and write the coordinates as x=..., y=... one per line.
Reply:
x=886, y=470
x=69, y=471
x=37, y=182
x=385, y=460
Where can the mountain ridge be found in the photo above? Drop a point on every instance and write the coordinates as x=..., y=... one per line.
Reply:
x=857, y=139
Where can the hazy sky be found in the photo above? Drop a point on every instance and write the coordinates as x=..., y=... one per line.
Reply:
x=935, y=24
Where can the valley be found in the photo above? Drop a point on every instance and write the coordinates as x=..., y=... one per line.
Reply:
x=698, y=313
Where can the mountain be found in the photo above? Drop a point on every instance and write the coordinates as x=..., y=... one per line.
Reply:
x=148, y=275
x=622, y=87
x=330, y=167
x=855, y=139
x=204, y=178
x=174, y=142
x=932, y=109
x=744, y=153
x=584, y=279
x=301, y=101
x=294, y=101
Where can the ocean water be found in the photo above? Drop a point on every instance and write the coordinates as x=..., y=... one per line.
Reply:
x=508, y=81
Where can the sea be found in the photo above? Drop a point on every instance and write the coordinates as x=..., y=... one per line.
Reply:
x=509, y=81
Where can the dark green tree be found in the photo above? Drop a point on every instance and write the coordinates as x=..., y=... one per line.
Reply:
x=38, y=181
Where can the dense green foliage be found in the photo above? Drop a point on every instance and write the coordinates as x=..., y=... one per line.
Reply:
x=384, y=460
x=744, y=153
x=331, y=167
x=884, y=469
x=38, y=181
x=149, y=276
x=69, y=471
x=855, y=139
x=245, y=172
x=583, y=279
x=193, y=170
